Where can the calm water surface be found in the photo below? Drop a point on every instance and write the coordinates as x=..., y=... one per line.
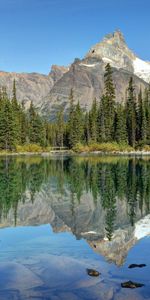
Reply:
x=61, y=216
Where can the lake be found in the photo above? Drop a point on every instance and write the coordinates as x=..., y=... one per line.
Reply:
x=61, y=216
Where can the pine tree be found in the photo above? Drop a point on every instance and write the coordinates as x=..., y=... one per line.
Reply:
x=101, y=120
x=147, y=113
x=109, y=104
x=70, y=128
x=77, y=135
x=16, y=110
x=120, y=134
x=141, y=119
x=7, y=129
x=93, y=115
x=60, y=128
x=23, y=126
x=86, y=128
x=36, y=127
x=131, y=114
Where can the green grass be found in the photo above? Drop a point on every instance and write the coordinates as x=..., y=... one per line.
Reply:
x=103, y=147
x=29, y=148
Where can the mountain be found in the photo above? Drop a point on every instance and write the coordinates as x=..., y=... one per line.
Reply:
x=85, y=77
x=114, y=50
x=31, y=86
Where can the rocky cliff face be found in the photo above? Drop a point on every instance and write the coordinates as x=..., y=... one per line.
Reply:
x=31, y=86
x=57, y=72
x=86, y=80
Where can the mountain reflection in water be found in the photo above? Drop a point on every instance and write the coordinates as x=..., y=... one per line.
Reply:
x=94, y=198
x=103, y=200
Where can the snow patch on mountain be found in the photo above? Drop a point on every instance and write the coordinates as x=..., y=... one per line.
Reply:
x=88, y=65
x=142, y=69
x=107, y=60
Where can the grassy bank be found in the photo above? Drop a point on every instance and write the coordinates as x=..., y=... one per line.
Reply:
x=93, y=148
x=112, y=148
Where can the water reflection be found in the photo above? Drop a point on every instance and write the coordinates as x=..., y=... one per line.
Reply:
x=96, y=195
x=104, y=180
x=103, y=201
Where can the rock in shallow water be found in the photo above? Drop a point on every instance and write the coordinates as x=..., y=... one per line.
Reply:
x=136, y=266
x=92, y=272
x=131, y=285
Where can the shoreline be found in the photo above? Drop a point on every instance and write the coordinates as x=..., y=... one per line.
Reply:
x=73, y=153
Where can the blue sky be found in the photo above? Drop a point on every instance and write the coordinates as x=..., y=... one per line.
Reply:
x=38, y=33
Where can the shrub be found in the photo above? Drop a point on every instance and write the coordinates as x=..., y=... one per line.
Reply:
x=103, y=147
x=28, y=148
x=146, y=148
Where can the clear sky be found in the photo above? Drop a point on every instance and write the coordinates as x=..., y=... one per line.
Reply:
x=38, y=33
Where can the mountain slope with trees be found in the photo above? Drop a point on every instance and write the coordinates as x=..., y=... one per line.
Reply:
x=126, y=124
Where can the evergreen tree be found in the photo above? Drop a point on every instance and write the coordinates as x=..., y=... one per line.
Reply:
x=36, y=127
x=120, y=124
x=60, y=128
x=109, y=104
x=23, y=126
x=16, y=111
x=147, y=113
x=70, y=128
x=141, y=119
x=77, y=136
x=131, y=114
x=93, y=116
x=86, y=128
x=7, y=129
x=101, y=120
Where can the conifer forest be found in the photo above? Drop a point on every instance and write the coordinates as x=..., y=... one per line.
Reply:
x=125, y=123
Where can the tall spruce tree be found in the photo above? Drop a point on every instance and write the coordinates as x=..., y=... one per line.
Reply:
x=141, y=119
x=7, y=125
x=16, y=110
x=131, y=114
x=120, y=133
x=147, y=113
x=86, y=128
x=70, y=128
x=109, y=104
x=77, y=136
x=93, y=122
x=23, y=125
x=101, y=120
x=36, y=127
x=60, y=128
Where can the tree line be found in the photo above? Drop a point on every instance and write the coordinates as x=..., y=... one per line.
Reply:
x=19, y=126
x=107, y=121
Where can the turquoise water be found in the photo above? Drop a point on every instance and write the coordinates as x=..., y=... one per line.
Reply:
x=61, y=216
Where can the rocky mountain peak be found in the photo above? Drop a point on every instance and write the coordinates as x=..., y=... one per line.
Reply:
x=57, y=72
x=113, y=49
x=116, y=36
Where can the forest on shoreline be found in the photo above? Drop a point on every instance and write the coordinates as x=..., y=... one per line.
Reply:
x=108, y=126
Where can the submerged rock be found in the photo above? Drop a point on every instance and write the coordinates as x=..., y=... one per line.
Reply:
x=131, y=285
x=92, y=272
x=136, y=266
